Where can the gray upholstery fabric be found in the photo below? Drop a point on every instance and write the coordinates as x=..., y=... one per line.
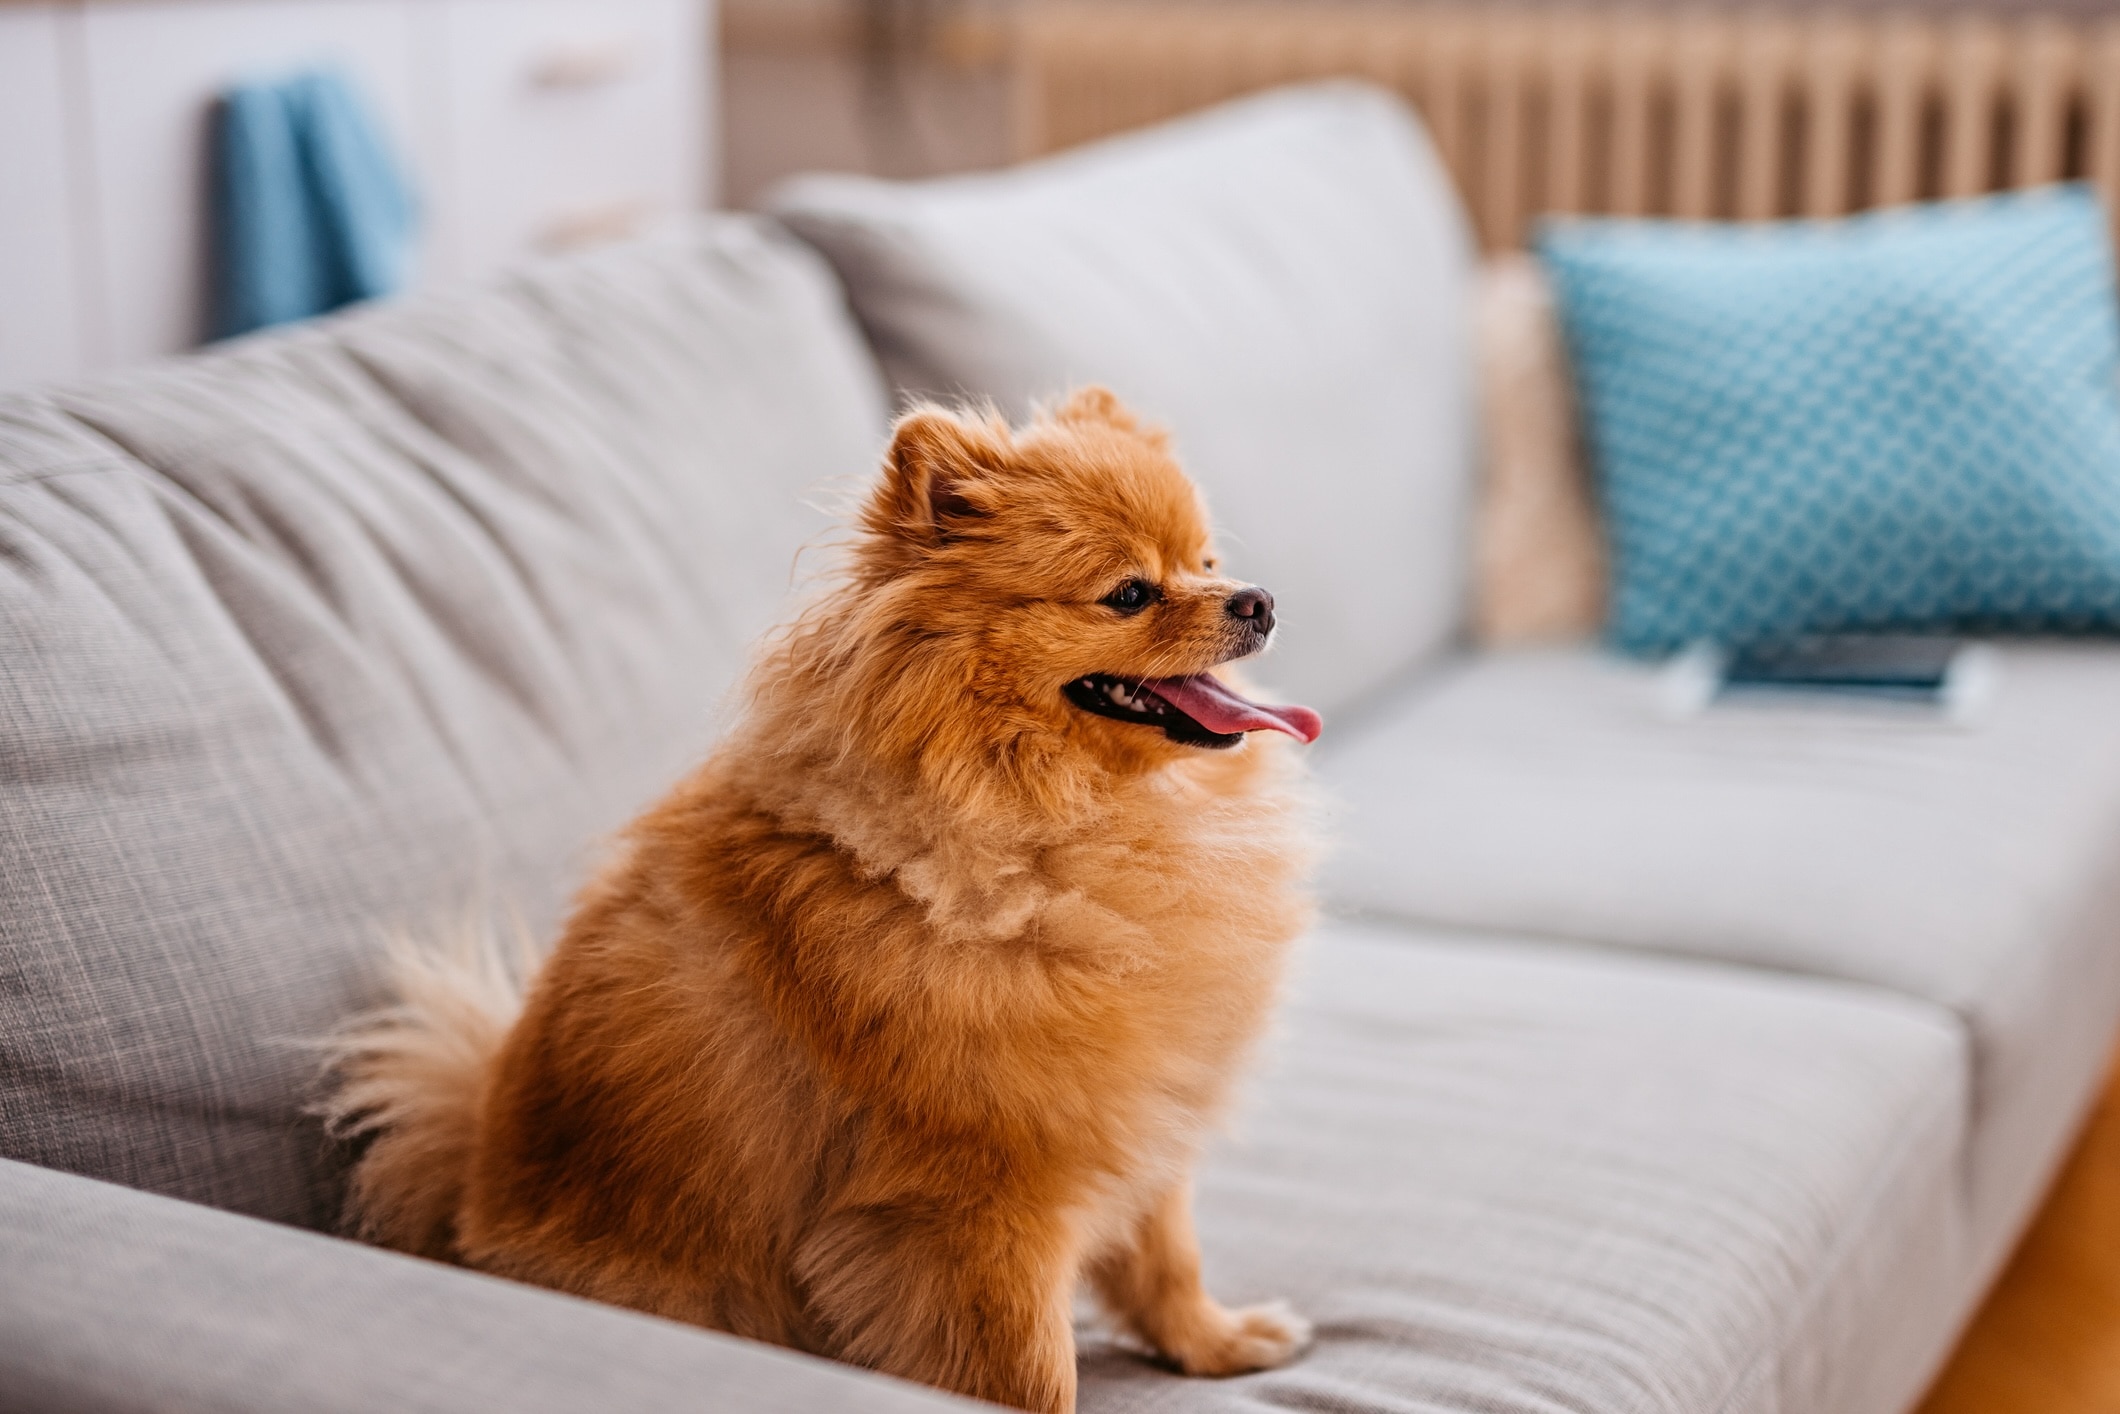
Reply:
x=1283, y=282
x=1516, y=1178
x=355, y=628
x=1499, y=1176
x=1979, y=869
x=120, y=1302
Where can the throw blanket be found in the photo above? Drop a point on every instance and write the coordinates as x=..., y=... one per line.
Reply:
x=309, y=209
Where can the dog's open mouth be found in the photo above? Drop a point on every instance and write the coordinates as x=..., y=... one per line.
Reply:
x=1200, y=710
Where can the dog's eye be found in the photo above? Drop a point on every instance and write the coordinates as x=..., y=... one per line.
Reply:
x=1207, y=566
x=1132, y=597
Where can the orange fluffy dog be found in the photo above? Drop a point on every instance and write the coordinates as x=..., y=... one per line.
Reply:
x=908, y=1010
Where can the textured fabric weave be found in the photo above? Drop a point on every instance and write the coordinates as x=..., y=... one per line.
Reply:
x=120, y=1302
x=1902, y=420
x=1499, y=1177
x=1550, y=793
x=1524, y=1179
x=354, y=628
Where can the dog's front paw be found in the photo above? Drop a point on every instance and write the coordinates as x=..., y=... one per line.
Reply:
x=1235, y=1342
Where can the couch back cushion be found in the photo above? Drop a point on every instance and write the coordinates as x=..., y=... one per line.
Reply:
x=1283, y=282
x=353, y=628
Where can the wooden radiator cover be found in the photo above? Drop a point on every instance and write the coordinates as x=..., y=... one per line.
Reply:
x=1693, y=114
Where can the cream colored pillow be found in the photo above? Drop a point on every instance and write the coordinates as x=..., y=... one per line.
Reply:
x=1539, y=551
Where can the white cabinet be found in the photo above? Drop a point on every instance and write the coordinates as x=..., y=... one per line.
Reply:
x=526, y=125
x=40, y=281
x=568, y=121
x=153, y=68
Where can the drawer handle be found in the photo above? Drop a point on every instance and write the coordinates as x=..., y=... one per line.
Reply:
x=589, y=64
x=595, y=225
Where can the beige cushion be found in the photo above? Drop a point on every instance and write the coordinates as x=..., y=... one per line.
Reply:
x=1539, y=553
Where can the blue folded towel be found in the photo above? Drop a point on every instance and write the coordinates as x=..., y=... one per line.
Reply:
x=309, y=208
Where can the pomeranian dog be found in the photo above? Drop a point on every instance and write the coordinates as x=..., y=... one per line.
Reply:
x=908, y=1011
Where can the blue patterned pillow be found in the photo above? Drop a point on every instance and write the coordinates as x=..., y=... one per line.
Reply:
x=1904, y=420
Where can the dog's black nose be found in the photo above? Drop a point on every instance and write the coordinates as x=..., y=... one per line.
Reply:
x=1255, y=607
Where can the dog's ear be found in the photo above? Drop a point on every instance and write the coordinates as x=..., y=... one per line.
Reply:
x=929, y=488
x=1100, y=405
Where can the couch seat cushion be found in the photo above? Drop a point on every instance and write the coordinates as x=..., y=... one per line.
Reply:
x=1976, y=868
x=1513, y=1177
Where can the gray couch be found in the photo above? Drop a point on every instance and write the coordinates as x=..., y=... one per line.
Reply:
x=1654, y=1065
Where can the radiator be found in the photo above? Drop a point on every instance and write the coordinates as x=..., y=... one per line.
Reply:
x=1716, y=114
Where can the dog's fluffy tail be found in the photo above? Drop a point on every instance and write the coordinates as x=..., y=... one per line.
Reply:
x=411, y=1079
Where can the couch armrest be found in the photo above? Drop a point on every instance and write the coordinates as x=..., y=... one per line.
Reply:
x=116, y=1300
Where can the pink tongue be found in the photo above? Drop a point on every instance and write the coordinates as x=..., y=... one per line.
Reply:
x=1210, y=702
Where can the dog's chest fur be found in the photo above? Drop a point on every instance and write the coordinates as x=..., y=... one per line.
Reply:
x=1141, y=947
x=1129, y=963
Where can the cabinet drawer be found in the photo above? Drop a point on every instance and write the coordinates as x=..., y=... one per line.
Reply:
x=568, y=120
